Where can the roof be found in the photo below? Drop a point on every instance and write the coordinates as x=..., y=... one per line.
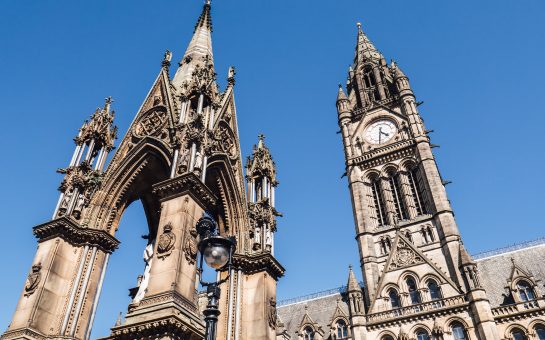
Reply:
x=495, y=269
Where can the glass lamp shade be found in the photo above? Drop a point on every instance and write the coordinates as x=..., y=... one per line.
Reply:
x=216, y=255
x=216, y=251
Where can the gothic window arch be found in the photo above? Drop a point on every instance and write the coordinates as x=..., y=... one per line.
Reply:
x=459, y=332
x=385, y=245
x=416, y=186
x=412, y=289
x=540, y=332
x=308, y=333
x=518, y=334
x=394, y=180
x=387, y=337
x=395, y=300
x=409, y=236
x=422, y=334
x=342, y=329
x=525, y=291
x=434, y=289
x=378, y=201
x=427, y=234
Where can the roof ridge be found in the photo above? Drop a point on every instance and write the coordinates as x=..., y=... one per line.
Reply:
x=510, y=248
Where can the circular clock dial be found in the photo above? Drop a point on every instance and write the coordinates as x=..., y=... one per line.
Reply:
x=380, y=132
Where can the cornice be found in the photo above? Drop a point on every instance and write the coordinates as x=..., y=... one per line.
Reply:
x=76, y=235
x=250, y=264
x=384, y=154
x=157, y=328
x=23, y=333
x=188, y=183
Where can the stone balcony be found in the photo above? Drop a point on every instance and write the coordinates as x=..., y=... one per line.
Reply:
x=517, y=310
x=416, y=310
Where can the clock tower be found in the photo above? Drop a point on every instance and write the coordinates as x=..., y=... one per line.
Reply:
x=411, y=254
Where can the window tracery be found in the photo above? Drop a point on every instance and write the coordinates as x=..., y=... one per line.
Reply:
x=434, y=289
x=459, y=332
x=308, y=333
x=413, y=291
x=525, y=291
x=342, y=329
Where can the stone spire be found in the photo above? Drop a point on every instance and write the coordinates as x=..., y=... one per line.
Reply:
x=465, y=258
x=365, y=50
x=341, y=95
x=199, y=50
x=353, y=284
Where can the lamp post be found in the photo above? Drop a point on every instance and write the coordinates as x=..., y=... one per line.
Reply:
x=217, y=252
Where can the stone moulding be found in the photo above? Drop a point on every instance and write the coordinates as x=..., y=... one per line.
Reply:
x=188, y=183
x=76, y=235
x=25, y=333
x=384, y=154
x=158, y=328
x=519, y=311
x=250, y=264
x=167, y=297
x=445, y=306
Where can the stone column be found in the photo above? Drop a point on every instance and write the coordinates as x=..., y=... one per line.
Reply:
x=171, y=297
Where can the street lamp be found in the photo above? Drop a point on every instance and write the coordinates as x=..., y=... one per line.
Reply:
x=217, y=252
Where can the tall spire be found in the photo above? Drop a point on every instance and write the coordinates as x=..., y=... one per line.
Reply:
x=365, y=50
x=199, y=49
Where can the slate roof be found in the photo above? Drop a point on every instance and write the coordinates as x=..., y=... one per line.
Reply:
x=495, y=270
x=320, y=310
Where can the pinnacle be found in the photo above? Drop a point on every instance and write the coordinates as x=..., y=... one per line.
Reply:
x=353, y=284
x=341, y=95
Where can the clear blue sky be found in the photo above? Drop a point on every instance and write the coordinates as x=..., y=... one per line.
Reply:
x=476, y=64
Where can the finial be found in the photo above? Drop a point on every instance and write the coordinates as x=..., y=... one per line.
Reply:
x=167, y=58
x=340, y=86
x=208, y=2
x=350, y=266
x=108, y=102
x=261, y=137
x=359, y=25
x=231, y=75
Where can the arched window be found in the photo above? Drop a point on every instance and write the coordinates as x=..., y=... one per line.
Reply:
x=459, y=332
x=342, y=330
x=422, y=335
x=518, y=334
x=540, y=332
x=416, y=185
x=387, y=337
x=526, y=292
x=409, y=236
x=435, y=290
x=394, y=298
x=413, y=291
x=395, y=186
x=308, y=334
x=378, y=202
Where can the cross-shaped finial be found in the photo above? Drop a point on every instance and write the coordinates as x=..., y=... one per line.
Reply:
x=261, y=137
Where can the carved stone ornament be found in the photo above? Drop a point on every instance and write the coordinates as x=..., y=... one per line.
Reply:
x=272, y=315
x=190, y=246
x=151, y=124
x=166, y=242
x=33, y=279
x=404, y=256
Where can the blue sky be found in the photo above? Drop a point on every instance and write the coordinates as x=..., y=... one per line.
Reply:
x=477, y=65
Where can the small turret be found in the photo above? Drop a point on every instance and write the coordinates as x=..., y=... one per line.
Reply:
x=353, y=290
x=82, y=177
x=261, y=178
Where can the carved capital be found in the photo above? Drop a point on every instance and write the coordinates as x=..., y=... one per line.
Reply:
x=188, y=183
x=250, y=264
x=76, y=235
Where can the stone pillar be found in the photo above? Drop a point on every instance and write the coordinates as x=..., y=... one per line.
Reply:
x=58, y=297
x=169, y=307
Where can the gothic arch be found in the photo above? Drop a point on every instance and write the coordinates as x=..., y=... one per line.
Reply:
x=384, y=334
x=516, y=326
x=431, y=276
x=220, y=179
x=403, y=278
x=456, y=319
x=129, y=179
x=407, y=164
x=419, y=327
x=389, y=170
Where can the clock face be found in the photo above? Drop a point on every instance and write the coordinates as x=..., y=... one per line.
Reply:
x=380, y=131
